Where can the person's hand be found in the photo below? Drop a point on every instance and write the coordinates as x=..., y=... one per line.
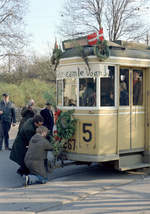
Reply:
x=1, y=112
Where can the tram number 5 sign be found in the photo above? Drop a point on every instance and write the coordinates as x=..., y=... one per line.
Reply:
x=87, y=132
x=86, y=129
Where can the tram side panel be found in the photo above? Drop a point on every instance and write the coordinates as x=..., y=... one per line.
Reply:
x=107, y=132
x=124, y=130
x=95, y=139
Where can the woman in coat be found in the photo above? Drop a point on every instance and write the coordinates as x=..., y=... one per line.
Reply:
x=21, y=142
x=35, y=156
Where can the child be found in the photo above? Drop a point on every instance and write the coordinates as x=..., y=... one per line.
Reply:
x=35, y=156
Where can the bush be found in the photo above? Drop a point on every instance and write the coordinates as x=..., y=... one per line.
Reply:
x=16, y=96
x=38, y=90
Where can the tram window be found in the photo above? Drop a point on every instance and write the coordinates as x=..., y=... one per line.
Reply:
x=124, y=87
x=70, y=92
x=108, y=88
x=87, y=92
x=137, y=87
x=59, y=92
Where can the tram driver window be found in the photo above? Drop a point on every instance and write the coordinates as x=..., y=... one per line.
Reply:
x=108, y=88
x=137, y=87
x=70, y=92
x=87, y=92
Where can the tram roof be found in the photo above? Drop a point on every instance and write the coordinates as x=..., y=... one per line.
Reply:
x=117, y=48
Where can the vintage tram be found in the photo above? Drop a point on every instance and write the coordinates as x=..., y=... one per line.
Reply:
x=111, y=99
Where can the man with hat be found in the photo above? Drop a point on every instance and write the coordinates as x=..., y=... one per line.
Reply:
x=7, y=117
x=47, y=114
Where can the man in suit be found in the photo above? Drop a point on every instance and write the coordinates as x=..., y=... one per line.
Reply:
x=47, y=114
x=7, y=117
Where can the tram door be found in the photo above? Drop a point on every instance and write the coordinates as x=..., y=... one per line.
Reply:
x=131, y=110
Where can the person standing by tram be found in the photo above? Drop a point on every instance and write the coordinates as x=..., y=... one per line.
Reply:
x=7, y=117
x=48, y=116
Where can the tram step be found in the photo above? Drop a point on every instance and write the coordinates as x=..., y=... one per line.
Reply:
x=132, y=161
x=136, y=166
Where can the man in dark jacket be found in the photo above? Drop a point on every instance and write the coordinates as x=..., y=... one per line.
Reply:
x=7, y=117
x=21, y=142
x=47, y=114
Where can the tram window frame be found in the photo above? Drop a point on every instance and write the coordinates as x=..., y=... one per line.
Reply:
x=58, y=88
x=71, y=102
x=108, y=100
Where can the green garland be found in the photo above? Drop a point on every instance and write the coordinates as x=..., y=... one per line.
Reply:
x=101, y=50
x=57, y=53
x=84, y=56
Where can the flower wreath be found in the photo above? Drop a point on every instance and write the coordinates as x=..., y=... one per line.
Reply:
x=64, y=129
x=101, y=50
x=66, y=125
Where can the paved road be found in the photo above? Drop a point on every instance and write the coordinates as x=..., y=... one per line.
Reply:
x=74, y=189
x=129, y=198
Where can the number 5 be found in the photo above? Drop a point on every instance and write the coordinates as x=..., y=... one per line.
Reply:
x=87, y=131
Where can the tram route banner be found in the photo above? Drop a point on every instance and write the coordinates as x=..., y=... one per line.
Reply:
x=80, y=71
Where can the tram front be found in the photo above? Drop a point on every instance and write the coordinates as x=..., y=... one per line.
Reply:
x=90, y=91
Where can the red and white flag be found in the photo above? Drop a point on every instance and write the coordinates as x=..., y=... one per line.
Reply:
x=94, y=37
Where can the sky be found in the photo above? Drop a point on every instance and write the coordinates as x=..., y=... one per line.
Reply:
x=41, y=23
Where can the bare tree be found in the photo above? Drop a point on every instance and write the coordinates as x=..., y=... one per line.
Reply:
x=11, y=25
x=121, y=19
x=81, y=16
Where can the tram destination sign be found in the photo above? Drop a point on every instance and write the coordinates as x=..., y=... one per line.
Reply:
x=68, y=72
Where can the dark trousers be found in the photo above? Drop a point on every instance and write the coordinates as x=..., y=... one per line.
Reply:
x=5, y=127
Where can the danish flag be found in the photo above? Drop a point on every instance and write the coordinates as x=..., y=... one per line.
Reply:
x=94, y=37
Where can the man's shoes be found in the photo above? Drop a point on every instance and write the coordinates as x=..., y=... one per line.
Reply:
x=20, y=172
x=26, y=180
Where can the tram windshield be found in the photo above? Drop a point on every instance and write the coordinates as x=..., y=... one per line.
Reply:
x=87, y=92
x=82, y=92
x=70, y=92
